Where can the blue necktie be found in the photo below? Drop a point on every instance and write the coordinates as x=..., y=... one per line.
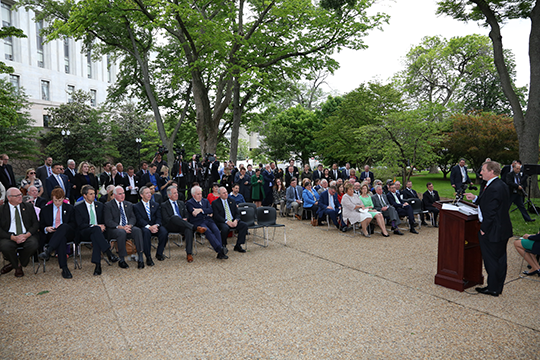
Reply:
x=176, y=208
x=123, y=220
x=147, y=206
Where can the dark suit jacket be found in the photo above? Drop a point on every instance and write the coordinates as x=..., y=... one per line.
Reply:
x=392, y=201
x=51, y=183
x=145, y=179
x=198, y=220
x=268, y=179
x=344, y=175
x=142, y=216
x=288, y=178
x=105, y=179
x=428, y=200
x=376, y=202
x=409, y=194
x=140, y=173
x=214, y=172
x=46, y=216
x=82, y=218
x=494, y=203
x=335, y=175
x=42, y=173
x=112, y=214
x=370, y=175
x=219, y=211
x=505, y=170
x=40, y=202
x=167, y=211
x=456, y=178
x=317, y=174
x=324, y=202
x=80, y=181
x=4, y=179
x=510, y=181
x=71, y=177
x=28, y=215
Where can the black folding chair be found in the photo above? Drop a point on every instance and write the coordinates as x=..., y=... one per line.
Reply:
x=247, y=215
x=266, y=218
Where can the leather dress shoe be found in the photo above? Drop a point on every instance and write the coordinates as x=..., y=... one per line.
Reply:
x=45, y=255
x=221, y=255
x=201, y=230
x=97, y=270
x=436, y=225
x=535, y=272
x=189, y=258
x=386, y=235
x=397, y=232
x=149, y=261
x=66, y=274
x=239, y=249
x=6, y=269
x=423, y=223
x=19, y=272
x=114, y=258
x=298, y=217
x=140, y=265
x=344, y=229
x=225, y=250
x=413, y=230
x=160, y=257
x=123, y=264
x=485, y=290
x=530, y=220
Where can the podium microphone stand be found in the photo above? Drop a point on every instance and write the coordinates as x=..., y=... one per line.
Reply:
x=531, y=170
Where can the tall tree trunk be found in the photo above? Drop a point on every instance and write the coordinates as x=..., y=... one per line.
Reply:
x=237, y=117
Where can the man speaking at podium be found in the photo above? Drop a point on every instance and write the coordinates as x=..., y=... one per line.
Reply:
x=495, y=228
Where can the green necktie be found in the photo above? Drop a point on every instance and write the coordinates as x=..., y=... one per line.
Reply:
x=92, y=215
x=18, y=224
x=227, y=211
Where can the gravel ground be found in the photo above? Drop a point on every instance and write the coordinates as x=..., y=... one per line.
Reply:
x=325, y=294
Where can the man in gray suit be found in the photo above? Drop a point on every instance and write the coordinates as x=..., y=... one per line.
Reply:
x=294, y=199
x=45, y=170
x=380, y=203
x=120, y=221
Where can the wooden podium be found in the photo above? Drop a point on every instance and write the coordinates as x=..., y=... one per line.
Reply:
x=459, y=264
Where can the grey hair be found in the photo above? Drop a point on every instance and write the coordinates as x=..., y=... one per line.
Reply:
x=194, y=189
x=221, y=188
x=142, y=189
x=116, y=188
x=70, y=161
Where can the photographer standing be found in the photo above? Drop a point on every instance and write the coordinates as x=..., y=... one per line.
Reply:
x=180, y=173
x=193, y=170
x=158, y=158
x=459, y=176
x=517, y=182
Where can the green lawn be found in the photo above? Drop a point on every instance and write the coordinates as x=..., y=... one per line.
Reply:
x=519, y=225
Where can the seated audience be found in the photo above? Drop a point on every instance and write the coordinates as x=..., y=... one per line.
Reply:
x=409, y=193
x=306, y=174
x=353, y=175
x=91, y=226
x=31, y=180
x=236, y=196
x=148, y=214
x=380, y=203
x=57, y=221
x=353, y=210
x=429, y=197
x=367, y=174
x=121, y=223
x=294, y=199
x=280, y=196
x=227, y=218
x=403, y=208
x=214, y=194
x=18, y=228
x=532, y=244
x=200, y=214
x=365, y=197
x=327, y=175
x=310, y=197
x=329, y=205
x=324, y=186
x=340, y=191
x=316, y=185
x=318, y=174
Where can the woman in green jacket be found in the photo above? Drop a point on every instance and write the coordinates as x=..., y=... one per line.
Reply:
x=257, y=191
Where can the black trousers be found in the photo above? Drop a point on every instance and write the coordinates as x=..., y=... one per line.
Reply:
x=494, y=256
x=181, y=226
x=9, y=247
x=518, y=200
x=57, y=242
x=408, y=212
x=99, y=242
x=225, y=229
x=162, y=236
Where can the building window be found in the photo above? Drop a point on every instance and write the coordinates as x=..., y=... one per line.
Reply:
x=15, y=81
x=93, y=97
x=89, y=63
x=45, y=94
x=109, y=70
x=46, y=119
x=66, y=55
x=70, y=91
x=41, y=58
x=8, y=41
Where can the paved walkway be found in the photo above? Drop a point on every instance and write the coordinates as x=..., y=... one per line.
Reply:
x=324, y=295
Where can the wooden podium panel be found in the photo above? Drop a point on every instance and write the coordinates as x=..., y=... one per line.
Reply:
x=459, y=262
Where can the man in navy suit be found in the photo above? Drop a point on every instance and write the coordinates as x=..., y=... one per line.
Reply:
x=70, y=172
x=459, y=175
x=268, y=177
x=91, y=226
x=366, y=173
x=403, y=208
x=227, y=218
x=495, y=228
x=148, y=214
x=57, y=221
x=409, y=193
x=429, y=197
x=57, y=179
x=200, y=214
x=346, y=173
x=329, y=205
